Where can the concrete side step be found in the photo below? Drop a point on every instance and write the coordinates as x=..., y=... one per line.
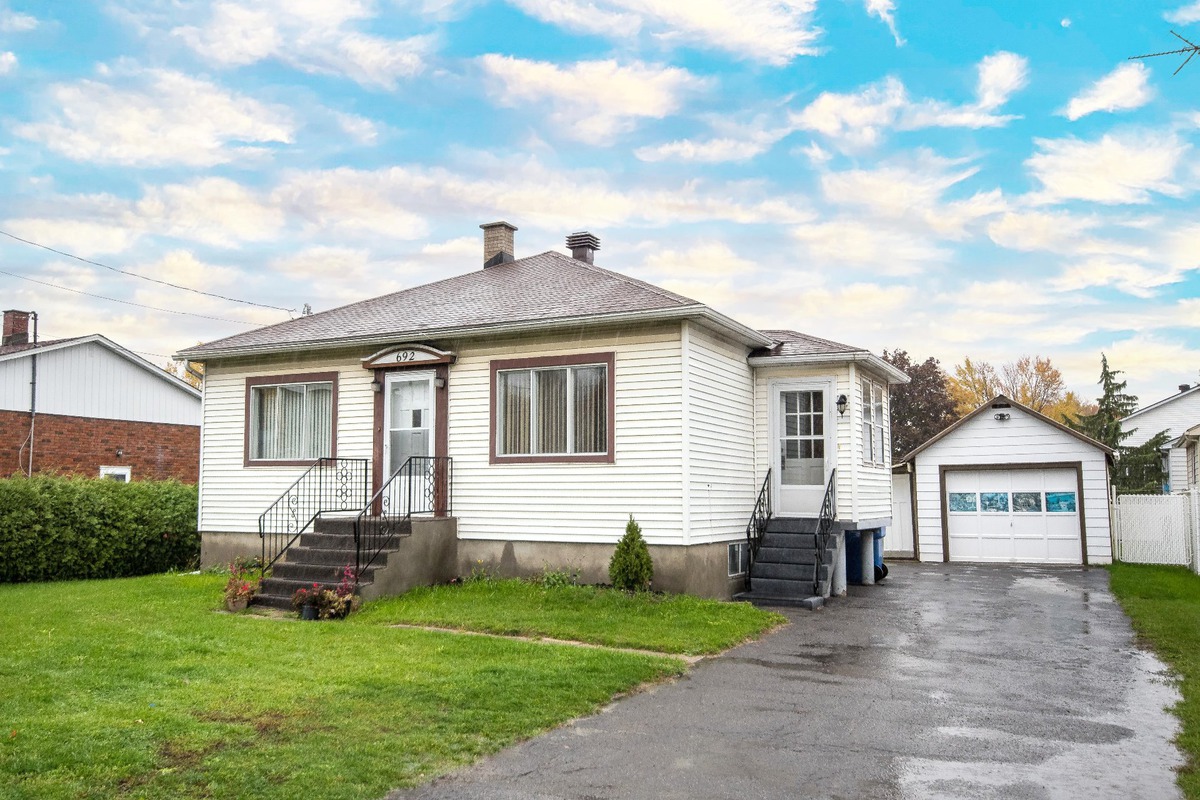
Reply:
x=781, y=587
x=791, y=572
x=789, y=539
x=786, y=555
x=812, y=603
x=792, y=525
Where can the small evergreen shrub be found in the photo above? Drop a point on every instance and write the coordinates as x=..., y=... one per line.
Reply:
x=631, y=568
x=55, y=528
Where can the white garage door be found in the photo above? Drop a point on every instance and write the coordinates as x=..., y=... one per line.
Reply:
x=1015, y=515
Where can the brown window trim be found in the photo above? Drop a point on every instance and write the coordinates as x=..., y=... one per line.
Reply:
x=606, y=359
x=272, y=380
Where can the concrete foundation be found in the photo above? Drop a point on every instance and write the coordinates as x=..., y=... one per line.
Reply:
x=700, y=570
x=428, y=556
x=218, y=548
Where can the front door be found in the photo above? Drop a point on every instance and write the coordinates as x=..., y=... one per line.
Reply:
x=408, y=414
x=802, y=446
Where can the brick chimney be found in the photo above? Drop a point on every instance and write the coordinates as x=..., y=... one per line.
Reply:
x=16, y=327
x=583, y=246
x=498, y=243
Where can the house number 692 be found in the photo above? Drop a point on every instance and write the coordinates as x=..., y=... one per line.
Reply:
x=406, y=355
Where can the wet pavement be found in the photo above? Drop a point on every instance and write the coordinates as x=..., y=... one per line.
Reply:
x=945, y=681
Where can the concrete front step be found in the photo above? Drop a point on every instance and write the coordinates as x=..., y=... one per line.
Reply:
x=319, y=557
x=322, y=573
x=781, y=587
x=791, y=555
x=277, y=592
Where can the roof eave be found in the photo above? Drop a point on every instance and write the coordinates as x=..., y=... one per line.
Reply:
x=894, y=376
x=747, y=335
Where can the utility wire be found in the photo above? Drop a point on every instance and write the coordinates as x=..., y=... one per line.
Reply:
x=124, y=302
x=144, y=277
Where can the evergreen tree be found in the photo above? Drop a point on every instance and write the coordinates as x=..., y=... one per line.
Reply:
x=1138, y=469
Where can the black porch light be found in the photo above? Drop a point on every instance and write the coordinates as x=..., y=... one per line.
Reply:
x=841, y=404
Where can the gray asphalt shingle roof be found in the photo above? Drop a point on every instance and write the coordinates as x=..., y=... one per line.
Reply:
x=792, y=343
x=542, y=287
x=8, y=349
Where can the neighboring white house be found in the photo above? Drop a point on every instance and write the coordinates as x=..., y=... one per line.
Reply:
x=1189, y=445
x=88, y=406
x=1175, y=415
x=568, y=397
x=1007, y=484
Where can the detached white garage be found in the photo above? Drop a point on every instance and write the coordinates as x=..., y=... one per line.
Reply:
x=1007, y=484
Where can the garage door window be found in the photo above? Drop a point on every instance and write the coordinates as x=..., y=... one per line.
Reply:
x=964, y=501
x=994, y=502
x=1060, y=502
x=1027, y=502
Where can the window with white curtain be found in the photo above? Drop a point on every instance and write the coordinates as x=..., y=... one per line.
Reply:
x=549, y=411
x=291, y=421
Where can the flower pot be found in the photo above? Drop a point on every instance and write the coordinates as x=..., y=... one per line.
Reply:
x=237, y=604
x=308, y=612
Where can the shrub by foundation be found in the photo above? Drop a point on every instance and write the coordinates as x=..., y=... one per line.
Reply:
x=631, y=568
x=56, y=528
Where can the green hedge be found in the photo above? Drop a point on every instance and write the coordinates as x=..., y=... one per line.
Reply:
x=54, y=528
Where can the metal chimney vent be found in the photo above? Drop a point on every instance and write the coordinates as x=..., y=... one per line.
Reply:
x=583, y=245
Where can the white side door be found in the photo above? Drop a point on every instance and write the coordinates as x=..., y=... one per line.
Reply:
x=803, y=445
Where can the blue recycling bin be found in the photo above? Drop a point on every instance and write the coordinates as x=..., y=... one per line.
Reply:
x=854, y=562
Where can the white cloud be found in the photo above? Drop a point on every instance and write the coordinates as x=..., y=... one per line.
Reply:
x=1124, y=88
x=710, y=259
x=82, y=237
x=886, y=11
x=154, y=118
x=716, y=150
x=859, y=119
x=999, y=76
x=1129, y=277
x=1114, y=169
x=215, y=211
x=361, y=129
x=1066, y=22
x=855, y=120
x=1185, y=14
x=594, y=101
x=771, y=31
x=8, y=62
x=884, y=249
x=310, y=35
x=13, y=22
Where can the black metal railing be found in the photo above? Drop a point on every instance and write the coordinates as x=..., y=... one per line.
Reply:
x=825, y=528
x=422, y=485
x=757, y=525
x=329, y=485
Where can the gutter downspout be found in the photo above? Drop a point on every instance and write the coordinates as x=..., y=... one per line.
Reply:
x=32, y=392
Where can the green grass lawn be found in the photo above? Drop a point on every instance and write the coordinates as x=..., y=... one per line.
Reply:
x=665, y=623
x=138, y=688
x=1164, y=604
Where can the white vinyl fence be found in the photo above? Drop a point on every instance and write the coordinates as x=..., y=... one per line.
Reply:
x=1157, y=529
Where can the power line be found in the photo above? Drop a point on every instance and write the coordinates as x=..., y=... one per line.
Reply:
x=124, y=302
x=144, y=277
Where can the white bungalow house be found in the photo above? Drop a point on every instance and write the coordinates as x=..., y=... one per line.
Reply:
x=1175, y=415
x=538, y=403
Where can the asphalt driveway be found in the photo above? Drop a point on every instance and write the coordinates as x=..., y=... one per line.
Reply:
x=946, y=681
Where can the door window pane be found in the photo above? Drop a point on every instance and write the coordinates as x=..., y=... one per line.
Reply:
x=801, y=438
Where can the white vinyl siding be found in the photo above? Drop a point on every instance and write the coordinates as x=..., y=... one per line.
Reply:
x=233, y=495
x=720, y=421
x=1022, y=439
x=1174, y=415
x=90, y=380
x=575, y=502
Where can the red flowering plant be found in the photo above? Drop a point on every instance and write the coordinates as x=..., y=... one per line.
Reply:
x=243, y=583
x=333, y=603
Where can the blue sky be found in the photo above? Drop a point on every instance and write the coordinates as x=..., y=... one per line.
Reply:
x=951, y=178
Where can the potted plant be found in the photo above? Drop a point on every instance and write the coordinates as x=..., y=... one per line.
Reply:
x=240, y=587
x=307, y=601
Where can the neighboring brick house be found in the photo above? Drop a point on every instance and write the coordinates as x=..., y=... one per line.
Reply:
x=88, y=406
